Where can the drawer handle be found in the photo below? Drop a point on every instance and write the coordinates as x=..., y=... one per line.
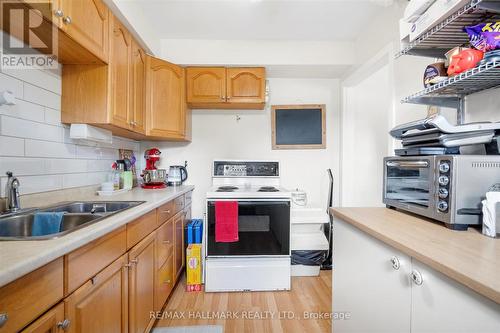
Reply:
x=416, y=277
x=3, y=319
x=166, y=211
x=64, y=324
x=167, y=282
x=395, y=263
x=166, y=242
x=94, y=280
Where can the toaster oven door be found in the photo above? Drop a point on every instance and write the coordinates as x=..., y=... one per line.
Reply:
x=409, y=184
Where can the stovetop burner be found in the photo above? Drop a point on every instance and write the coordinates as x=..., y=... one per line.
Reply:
x=268, y=189
x=227, y=188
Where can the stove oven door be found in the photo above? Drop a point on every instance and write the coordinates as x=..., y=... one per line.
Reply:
x=263, y=230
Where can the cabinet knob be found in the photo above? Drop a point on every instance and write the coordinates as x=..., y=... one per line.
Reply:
x=166, y=211
x=416, y=277
x=67, y=20
x=58, y=13
x=167, y=281
x=63, y=324
x=3, y=319
x=395, y=263
x=166, y=242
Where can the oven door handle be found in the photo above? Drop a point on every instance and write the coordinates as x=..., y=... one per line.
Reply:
x=408, y=164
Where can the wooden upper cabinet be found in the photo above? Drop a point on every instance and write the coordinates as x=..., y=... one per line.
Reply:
x=138, y=89
x=246, y=85
x=226, y=88
x=86, y=21
x=142, y=285
x=101, y=304
x=166, y=109
x=120, y=69
x=206, y=84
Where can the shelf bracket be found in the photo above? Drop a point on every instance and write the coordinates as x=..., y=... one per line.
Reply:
x=441, y=101
x=461, y=111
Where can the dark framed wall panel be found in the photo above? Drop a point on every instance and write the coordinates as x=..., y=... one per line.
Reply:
x=300, y=126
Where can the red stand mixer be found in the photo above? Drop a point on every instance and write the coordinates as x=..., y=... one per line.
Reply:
x=153, y=178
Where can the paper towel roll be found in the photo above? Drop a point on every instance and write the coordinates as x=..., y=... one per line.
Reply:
x=490, y=214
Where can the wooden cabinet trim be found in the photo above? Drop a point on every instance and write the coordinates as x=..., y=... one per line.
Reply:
x=140, y=228
x=85, y=262
x=118, y=270
x=47, y=323
x=29, y=296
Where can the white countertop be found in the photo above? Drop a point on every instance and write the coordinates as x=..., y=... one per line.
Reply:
x=18, y=258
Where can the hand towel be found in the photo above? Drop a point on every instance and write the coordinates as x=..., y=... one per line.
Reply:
x=226, y=221
x=46, y=223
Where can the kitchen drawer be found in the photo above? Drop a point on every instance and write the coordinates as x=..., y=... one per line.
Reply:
x=48, y=322
x=140, y=228
x=164, y=282
x=87, y=261
x=188, y=198
x=26, y=298
x=164, y=241
x=165, y=212
x=178, y=204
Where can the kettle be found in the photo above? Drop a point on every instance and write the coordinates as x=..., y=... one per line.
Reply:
x=177, y=174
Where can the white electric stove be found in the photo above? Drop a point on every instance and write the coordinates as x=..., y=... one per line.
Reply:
x=260, y=259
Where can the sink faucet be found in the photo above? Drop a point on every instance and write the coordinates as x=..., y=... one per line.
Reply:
x=12, y=191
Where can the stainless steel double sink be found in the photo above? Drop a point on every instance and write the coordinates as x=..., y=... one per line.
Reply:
x=18, y=226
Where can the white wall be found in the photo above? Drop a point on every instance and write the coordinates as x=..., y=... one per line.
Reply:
x=218, y=134
x=35, y=146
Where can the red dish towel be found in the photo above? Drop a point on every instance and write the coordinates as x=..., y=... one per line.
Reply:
x=226, y=221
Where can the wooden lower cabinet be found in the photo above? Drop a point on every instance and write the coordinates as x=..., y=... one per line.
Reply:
x=142, y=285
x=164, y=282
x=178, y=244
x=51, y=322
x=101, y=304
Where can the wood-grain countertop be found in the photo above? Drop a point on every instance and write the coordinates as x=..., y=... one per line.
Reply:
x=468, y=257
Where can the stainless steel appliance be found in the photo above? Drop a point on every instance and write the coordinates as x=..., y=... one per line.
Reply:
x=177, y=174
x=260, y=259
x=447, y=188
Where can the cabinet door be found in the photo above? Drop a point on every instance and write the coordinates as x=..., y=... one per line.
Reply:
x=101, y=304
x=120, y=66
x=179, y=244
x=246, y=85
x=165, y=103
x=376, y=296
x=442, y=305
x=142, y=285
x=138, y=85
x=206, y=84
x=51, y=322
x=86, y=22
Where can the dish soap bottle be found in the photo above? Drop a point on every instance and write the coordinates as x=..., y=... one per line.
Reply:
x=115, y=176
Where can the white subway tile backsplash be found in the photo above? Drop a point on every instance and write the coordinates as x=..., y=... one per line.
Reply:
x=24, y=110
x=35, y=184
x=41, y=96
x=83, y=179
x=37, y=77
x=52, y=116
x=11, y=84
x=96, y=153
x=98, y=165
x=27, y=129
x=35, y=148
x=11, y=146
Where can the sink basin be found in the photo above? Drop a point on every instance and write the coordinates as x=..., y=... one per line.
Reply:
x=77, y=215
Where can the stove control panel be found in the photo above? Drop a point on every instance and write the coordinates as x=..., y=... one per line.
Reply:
x=245, y=169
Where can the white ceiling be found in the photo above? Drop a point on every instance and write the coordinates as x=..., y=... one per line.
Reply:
x=313, y=20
